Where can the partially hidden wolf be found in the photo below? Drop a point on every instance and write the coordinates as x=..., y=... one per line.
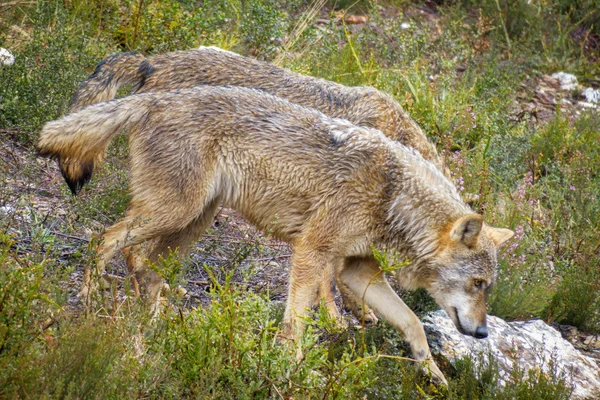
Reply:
x=329, y=188
x=364, y=106
x=361, y=105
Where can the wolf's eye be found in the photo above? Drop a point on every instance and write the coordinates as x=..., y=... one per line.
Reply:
x=478, y=283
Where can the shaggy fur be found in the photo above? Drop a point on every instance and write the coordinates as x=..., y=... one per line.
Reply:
x=364, y=106
x=327, y=187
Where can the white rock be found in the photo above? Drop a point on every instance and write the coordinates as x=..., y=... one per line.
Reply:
x=567, y=81
x=7, y=209
x=586, y=104
x=592, y=95
x=528, y=345
x=405, y=25
x=6, y=57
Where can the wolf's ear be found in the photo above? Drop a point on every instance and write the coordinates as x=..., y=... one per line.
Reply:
x=500, y=235
x=466, y=229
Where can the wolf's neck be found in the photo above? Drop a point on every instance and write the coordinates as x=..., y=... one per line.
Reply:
x=422, y=204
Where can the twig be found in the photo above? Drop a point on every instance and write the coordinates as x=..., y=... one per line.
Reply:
x=272, y=384
x=81, y=239
x=503, y=25
x=199, y=283
x=137, y=20
x=303, y=23
x=17, y=3
x=272, y=257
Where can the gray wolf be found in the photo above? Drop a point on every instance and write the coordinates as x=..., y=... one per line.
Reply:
x=364, y=106
x=329, y=188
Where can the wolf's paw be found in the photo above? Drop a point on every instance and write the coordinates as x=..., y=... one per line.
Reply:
x=86, y=293
x=431, y=369
x=287, y=333
x=287, y=337
x=365, y=314
x=370, y=318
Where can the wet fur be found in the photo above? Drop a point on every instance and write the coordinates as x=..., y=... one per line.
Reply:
x=364, y=106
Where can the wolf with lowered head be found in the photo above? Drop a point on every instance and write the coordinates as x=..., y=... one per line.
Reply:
x=329, y=188
x=364, y=106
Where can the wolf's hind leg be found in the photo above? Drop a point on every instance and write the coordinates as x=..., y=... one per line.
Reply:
x=141, y=224
x=180, y=241
x=363, y=277
x=327, y=293
x=115, y=238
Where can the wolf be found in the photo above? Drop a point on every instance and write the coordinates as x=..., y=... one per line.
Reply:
x=331, y=189
x=363, y=106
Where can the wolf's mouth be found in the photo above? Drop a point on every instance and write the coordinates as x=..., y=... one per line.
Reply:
x=458, y=324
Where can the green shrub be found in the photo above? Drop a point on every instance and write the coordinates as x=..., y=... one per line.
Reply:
x=26, y=311
x=39, y=86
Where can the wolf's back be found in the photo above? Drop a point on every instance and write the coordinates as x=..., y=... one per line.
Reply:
x=109, y=75
x=78, y=140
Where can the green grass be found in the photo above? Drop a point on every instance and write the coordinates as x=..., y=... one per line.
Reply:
x=458, y=75
x=229, y=349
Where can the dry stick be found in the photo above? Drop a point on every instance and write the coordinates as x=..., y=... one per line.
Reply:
x=199, y=283
x=300, y=27
x=137, y=19
x=272, y=384
x=17, y=3
x=234, y=240
x=273, y=257
x=81, y=239
x=503, y=26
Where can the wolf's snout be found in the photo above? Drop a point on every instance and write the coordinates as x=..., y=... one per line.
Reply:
x=481, y=332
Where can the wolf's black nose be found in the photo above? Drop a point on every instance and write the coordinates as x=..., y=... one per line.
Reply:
x=481, y=332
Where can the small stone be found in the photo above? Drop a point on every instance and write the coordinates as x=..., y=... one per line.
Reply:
x=592, y=95
x=573, y=331
x=588, y=340
x=586, y=104
x=180, y=291
x=567, y=81
x=355, y=19
x=6, y=57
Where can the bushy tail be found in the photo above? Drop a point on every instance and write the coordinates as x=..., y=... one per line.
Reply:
x=110, y=74
x=78, y=140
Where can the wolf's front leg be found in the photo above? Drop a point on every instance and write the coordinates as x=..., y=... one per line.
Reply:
x=356, y=305
x=363, y=277
x=310, y=268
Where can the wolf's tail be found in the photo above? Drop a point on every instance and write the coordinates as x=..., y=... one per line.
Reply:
x=110, y=74
x=78, y=140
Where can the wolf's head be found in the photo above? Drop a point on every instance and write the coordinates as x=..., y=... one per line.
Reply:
x=463, y=270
